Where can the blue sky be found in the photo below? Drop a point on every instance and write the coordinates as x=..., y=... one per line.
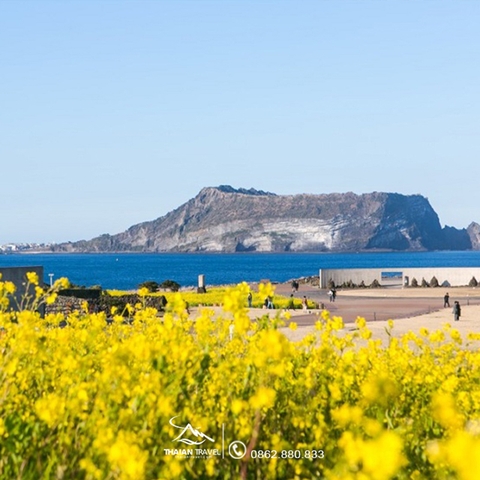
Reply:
x=117, y=112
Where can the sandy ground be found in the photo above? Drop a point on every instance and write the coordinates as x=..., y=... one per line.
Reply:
x=468, y=323
x=411, y=309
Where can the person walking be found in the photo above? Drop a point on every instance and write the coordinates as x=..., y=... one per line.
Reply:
x=270, y=302
x=457, y=311
x=305, y=303
x=446, y=300
x=249, y=298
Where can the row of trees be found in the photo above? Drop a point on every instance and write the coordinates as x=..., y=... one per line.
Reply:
x=414, y=284
x=351, y=284
x=435, y=283
x=153, y=286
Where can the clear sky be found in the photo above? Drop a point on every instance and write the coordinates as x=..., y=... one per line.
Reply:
x=116, y=112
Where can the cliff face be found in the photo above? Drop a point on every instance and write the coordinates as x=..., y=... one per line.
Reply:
x=473, y=231
x=223, y=219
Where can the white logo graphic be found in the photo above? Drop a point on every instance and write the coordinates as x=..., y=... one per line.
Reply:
x=188, y=430
x=237, y=449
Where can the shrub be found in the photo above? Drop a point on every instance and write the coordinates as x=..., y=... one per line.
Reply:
x=425, y=283
x=473, y=282
x=170, y=285
x=150, y=285
x=434, y=282
x=414, y=283
x=375, y=284
x=85, y=293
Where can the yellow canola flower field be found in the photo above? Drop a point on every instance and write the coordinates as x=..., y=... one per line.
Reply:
x=215, y=296
x=169, y=397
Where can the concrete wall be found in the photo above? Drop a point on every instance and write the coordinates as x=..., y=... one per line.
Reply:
x=17, y=275
x=456, y=276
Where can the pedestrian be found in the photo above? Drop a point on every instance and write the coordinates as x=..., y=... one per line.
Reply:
x=305, y=303
x=249, y=298
x=270, y=302
x=291, y=303
x=330, y=295
x=446, y=300
x=334, y=293
x=457, y=311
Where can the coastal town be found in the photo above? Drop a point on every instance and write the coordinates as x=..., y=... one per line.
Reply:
x=23, y=247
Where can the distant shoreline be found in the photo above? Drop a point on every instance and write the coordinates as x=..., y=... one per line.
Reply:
x=330, y=252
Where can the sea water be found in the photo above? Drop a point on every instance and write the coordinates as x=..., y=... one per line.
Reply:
x=126, y=271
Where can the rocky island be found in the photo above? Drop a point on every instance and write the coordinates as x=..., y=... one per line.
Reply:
x=225, y=219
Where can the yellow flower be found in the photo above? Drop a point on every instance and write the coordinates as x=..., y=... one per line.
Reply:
x=115, y=387
x=384, y=466
x=366, y=333
x=237, y=406
x=423, y=332
x=61, y=283
x=127, y=457
x=264, y=397
x=337, y=323
x=50, y=409
x=361, y=322
x=460, y=452
x=266, y=290
x=51, y=298
x=9, y=287
x=379, y=389
x=445, y=411
x=346, y=414
x=32, y=277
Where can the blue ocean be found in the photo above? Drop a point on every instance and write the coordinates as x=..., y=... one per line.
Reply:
x=127, y=271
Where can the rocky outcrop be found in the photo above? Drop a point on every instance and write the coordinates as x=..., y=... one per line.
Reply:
x=473, y=231
x=224, y=219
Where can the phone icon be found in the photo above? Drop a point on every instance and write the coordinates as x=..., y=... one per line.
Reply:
x=237, y=449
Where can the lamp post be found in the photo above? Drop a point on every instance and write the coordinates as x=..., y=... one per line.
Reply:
x=51, y=279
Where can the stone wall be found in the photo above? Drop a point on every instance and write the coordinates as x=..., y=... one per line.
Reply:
x=64, y=305
x=104, y=303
